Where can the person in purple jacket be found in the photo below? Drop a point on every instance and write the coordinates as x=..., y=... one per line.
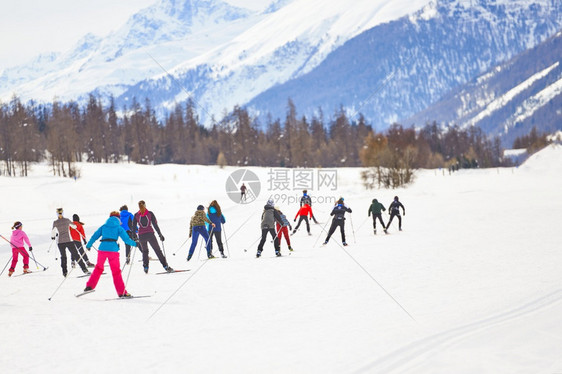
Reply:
x=143, y=223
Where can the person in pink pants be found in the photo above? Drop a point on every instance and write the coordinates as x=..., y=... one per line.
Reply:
x=108, y=250
x=17, y=240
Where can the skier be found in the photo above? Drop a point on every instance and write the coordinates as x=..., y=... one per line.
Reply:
x=196, y=228
x=126, y=219
x=78, y=235
x=306, y=199
x=145, y=219
x=377, y=208
x=394, y=210
x=61, y=226
x=304, y=212
x=283, y=229
x=110, y=232
x=214, y=214
x=243, y=192
x=339, y=220
x=17, y=240
x=268, y=219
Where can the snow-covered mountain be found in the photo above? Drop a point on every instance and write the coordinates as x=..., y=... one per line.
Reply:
x=388, y=59
x=397, y=69
x=510, y=98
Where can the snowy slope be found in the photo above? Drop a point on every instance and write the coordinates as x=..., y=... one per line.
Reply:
x=478, y=274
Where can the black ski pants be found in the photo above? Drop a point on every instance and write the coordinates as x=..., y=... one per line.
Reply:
x=80, y=251
x=379, y=216
x=392, y=215
x=73, y=254
x=217, y=235
x=264, y=237
x=144, y=240
x=305, y=219
x=335, y=224
x=127, y=246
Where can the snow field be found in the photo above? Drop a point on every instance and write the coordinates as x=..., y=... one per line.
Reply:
x=477, y=267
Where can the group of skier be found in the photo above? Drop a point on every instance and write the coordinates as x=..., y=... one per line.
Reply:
x=138, y=230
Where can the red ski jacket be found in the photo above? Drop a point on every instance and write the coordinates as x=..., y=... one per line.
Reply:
x=305, y=210
x=77, y=234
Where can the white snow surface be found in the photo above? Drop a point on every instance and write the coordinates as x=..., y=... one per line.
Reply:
x=477, y=267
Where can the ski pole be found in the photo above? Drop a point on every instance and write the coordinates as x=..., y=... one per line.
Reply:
x=163, y=248
x=132, y=261
x=180, y=246
x=226, y=240
x=50, y=245
x=12, y=256
x=251, y=245
x=323, y=230
x=61, y=283
x=352, y=229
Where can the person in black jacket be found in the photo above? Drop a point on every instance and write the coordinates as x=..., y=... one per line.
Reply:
x=339, y=220
x=394, y=210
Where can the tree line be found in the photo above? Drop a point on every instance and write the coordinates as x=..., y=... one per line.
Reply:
x=66, y=133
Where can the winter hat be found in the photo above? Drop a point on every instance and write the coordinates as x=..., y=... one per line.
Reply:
x=16, y=225
x=115, y=214
x=200, y=207
x=75, y=217
x=304, y=191
x=124, y=207
x=395, y=198
x=270, y=202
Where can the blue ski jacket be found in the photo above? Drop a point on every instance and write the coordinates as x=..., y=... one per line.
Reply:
x=214, y=217
x=110, y=232
x=126, y=220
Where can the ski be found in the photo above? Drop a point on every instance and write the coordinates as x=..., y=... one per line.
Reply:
x=19, y=275
x=125, y=298
x=175, y=271
x=84, y=293
x=86, y=275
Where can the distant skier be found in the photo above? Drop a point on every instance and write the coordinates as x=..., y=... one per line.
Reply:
x=61, y=227
x=214, y=213
x=306, y=199
x=196, y=228
x=145, y=220
x=17, y=240
x=78, y=236
x=126, y=219
x=394, y=210
x=304, y=212
x=376, y=209
x=110, y=232
x=243, y=192
x=268, y=219
x=339, y=220
x=283, y=229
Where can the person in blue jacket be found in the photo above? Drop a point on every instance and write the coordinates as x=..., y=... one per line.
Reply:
x=126, y=218
x=110, y=232
x=215, y=215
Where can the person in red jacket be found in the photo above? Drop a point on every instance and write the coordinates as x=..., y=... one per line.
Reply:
x=78, y=236
x=305, y=212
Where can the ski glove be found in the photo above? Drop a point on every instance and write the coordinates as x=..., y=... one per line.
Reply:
x=161, y=237
x=52, y=238
x=295, y=220
x=85, y=242
x=88, y=249
x=137, y=243
x=30, y=249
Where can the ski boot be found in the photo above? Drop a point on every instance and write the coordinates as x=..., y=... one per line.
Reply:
x=309, y=234
x=258, y=254
x=10, y=272
x=326, y=242
x=90, y=265
x=26, y=271
x=169, y=269
x=290, y=248
x=73, y=264
x=344, y=244
x=126, y=295
x=189, y=256
x=223, y=255
x=277, y=253
x=210, y=257
x=88, y=289
x=146, y=269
